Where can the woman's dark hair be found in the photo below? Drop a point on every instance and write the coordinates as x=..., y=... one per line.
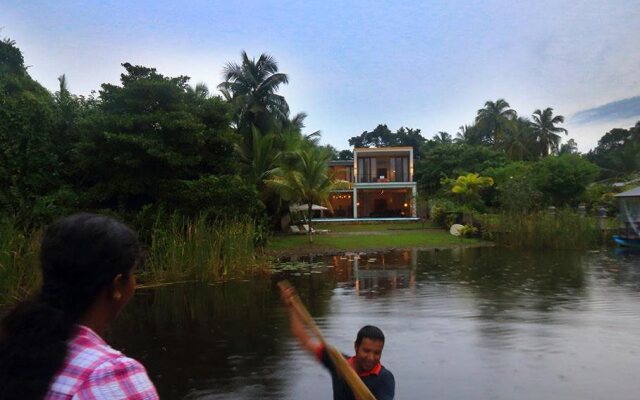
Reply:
x=80, y=255
x=369, y=332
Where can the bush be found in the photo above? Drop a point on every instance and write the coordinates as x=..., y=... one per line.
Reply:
x=564, y=179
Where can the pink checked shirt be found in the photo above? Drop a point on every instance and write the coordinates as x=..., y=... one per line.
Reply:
x=95, y=371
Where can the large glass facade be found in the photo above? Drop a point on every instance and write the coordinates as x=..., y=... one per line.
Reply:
x=383, y=169
x=342, y=172
x=385, y=203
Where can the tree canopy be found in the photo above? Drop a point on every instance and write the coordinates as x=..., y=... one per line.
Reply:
x=382, y=136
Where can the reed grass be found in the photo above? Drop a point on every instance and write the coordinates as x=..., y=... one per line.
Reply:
x=200, y=250
x=565, y=229
x=19, y=268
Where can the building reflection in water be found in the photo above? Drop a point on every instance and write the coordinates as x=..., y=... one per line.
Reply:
x=376, y=271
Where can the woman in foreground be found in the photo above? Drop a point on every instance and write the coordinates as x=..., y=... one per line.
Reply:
x=51, y=346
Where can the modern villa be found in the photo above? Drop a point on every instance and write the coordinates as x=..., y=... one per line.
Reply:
x=381, y=185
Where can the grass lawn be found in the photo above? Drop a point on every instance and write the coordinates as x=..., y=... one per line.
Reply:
x=367, y=239
x=364, y=226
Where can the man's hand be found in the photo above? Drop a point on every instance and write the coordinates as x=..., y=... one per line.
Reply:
x=287, y=295
x=297, y=326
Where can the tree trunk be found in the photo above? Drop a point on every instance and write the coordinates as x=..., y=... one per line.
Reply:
x=310, y=205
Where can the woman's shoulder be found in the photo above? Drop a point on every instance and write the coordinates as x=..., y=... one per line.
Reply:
x=93, y=366
x=121, y=376
x=89, y=347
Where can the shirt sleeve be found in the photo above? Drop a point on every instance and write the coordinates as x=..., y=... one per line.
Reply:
x=120, y=378
x=323, y=357
x=387, y=390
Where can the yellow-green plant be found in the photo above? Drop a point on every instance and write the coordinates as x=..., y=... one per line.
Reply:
x=467, y=189
x=468, y=231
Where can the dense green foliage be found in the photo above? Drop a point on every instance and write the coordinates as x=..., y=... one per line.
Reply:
x=153, y=138
x=183, y=166
x=618, y=152
x=450, y=160
x=29, y=163
x=381, y=136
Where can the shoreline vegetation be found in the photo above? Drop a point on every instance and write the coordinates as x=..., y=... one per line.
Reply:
x=176, y=250
x=564, y=229
x=212, y=251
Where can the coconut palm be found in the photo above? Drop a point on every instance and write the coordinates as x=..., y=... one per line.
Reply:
x=470, y=134
x=546, y=132
x=442, y=138
x=571, y=147
x=252, y=87
x=518, y=140
x=493, y=118
x=308, y=181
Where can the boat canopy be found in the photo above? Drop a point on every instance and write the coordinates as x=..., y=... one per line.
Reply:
x=629, y=203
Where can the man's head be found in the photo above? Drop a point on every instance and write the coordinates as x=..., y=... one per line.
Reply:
x=369, y=344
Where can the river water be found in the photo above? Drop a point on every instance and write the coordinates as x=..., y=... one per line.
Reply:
x=476, y=323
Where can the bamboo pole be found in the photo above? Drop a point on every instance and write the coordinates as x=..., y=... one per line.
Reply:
x=359, y=389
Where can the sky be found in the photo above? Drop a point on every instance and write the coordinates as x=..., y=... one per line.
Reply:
x=355, y=64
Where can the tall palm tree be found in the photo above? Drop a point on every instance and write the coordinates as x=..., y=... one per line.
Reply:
x=442, y=138
x=251, y=87
x=546, y=132
x=571, y=147
x=463, y=134
x=308, y=181
x=493, y=118
x=518, y=140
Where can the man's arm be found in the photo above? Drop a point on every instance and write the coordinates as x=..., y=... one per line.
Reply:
x=297, y=327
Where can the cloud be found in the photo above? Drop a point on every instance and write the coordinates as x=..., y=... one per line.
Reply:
x=614, y=111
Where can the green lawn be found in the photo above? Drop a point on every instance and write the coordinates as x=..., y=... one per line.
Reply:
x=388, y=239
x=363, y=227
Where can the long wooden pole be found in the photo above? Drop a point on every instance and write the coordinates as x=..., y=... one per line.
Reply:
x=359, y=389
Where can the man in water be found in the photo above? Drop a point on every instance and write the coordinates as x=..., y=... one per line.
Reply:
x=366, y=361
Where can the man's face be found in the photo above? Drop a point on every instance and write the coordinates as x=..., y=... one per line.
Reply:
x=368, y=354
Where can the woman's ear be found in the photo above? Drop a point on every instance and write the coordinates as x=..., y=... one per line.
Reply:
x=123, y=287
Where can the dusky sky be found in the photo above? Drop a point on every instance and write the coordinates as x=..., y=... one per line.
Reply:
x=355, y=64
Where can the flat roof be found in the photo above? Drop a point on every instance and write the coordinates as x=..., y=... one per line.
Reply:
x=389, y=148
x=630, y=193
x=341, y=162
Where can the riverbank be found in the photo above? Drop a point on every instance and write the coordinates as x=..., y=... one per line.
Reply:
x=180, y=250
x=367, y=237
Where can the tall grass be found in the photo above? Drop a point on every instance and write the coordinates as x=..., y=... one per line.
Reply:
x=201, y=250
x=564, y=229
x=178, y=249
x=19, y=269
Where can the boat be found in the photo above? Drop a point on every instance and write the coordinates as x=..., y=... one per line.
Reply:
x=629, y=232
x=627, y=242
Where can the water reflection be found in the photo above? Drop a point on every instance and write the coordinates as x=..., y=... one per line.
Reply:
x=374, y=272
x=482, y=323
